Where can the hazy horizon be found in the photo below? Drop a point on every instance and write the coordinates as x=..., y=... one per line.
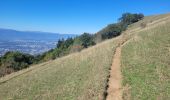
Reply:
x=71, y=17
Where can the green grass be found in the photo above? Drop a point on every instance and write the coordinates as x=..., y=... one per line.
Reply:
x=79, y=76
x=146, y=64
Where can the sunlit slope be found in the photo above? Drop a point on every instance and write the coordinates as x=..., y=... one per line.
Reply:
x=83, y=75
x=146, y=61
x=80, y=76
x=155, y=19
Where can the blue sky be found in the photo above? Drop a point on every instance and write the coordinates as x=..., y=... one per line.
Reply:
x=72, y=16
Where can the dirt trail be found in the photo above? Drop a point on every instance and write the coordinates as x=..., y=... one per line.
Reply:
x=114, y=90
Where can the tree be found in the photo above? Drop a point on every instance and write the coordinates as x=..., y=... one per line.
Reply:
x=128, y=18
x=16, y=60
x=68, y=42
x=87, y=40
x=112, y=30
x=65, y=43
x=60, y=42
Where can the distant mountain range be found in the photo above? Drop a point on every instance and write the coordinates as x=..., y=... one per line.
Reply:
x=28, y=41
x=9, y=34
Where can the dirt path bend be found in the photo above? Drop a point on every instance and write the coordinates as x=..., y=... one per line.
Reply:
x=114, y=90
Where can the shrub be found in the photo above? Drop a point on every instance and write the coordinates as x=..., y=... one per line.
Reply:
x=16, y=60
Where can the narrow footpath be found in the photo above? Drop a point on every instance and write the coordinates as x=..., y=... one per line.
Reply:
x=114, y=86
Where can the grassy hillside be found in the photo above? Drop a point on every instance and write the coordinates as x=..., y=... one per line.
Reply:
x=149, y=19
x=84, y=75
x=146, y=61
x=81, y=75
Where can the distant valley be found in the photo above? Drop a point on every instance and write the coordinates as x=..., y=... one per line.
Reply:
x=28, y=41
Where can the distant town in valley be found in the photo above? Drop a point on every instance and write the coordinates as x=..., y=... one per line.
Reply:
x=26, y=46
x=33, y=43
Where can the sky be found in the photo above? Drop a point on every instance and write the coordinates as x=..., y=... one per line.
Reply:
x=72, y=16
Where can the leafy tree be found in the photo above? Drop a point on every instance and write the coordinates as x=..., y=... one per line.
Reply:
x=87, y=40
x=112, y=30
x=128, y=18
x=16, y=60
x=64, y=43
x=60, y=43
x=68, y=42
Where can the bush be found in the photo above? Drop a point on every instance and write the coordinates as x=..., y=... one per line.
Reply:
x=16, y=60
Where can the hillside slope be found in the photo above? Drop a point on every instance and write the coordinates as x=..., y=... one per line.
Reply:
x=145, y=61
x=84, y=75
x=81, y=75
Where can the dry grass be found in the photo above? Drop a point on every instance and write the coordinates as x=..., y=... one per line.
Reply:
x=149, y=20
x=79, y=76
x=83, y=75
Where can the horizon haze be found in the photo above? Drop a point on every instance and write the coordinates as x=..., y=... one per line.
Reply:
x=72, y=17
